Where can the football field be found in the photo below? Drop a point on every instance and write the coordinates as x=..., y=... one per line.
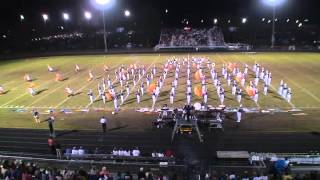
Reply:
x=301, y=71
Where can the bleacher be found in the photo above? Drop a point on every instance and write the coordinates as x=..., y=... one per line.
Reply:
x=191, y=38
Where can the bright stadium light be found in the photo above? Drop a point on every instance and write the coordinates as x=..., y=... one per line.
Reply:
x=269, y=21
x=300, y=25
x=45, y=17
x=87, y=15
x=166, y=11
x=263, y=19
x=215, y=21
x=229, y=21
x=21, y=17
x=274, y=4
x=127, y=13
x=102, y=2
x=244, y=20
x=288, y=20
x=65, y=16
x=297, y=21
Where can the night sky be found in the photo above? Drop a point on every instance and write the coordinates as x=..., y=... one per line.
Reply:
x=152, y=12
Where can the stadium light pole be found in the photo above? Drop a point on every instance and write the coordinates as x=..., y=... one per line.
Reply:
x=103, y=4
x=273, y=3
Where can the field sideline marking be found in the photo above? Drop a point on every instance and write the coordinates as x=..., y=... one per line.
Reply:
x=303, y=89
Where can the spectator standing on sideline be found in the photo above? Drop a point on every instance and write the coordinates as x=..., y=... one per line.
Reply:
x=36, y=115
x=58, y=151
x=50, y=123
x=103, y=122
x=51, y=145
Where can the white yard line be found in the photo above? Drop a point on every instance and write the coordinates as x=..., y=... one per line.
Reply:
x=243, y=90
x=53, y=91
x=296, y=84
x=10, y=82
x=114, y=80
x=26, y=93
x=79, y=90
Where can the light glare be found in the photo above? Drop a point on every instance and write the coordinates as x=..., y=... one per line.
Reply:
x=45, y=17
x=215, y=21
x=102, y=2
x=244, y=20
x=87, y=15
x=273, y=2
x=65, y=16
x=127, y=13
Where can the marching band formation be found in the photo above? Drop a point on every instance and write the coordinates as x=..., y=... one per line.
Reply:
x=139, y=80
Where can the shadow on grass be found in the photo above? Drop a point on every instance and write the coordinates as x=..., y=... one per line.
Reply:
x=42, y=90
x=117, y=128
x=5, y=92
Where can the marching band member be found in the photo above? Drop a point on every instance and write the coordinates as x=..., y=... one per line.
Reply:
x=90, y=94
x=265, y=89
x=69, y=91
x=2, y=91
x=138, y=96
x=171, y=97
x=239, y=94
x=77, y=68
x=50, y=69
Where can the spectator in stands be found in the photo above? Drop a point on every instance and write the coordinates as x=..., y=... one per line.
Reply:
x=168, y=153
x=136, y=152
x=97, y=151
x=141, y=174
x=81, y=151
x=93, y=173
x=74, y=151
x=104, y=173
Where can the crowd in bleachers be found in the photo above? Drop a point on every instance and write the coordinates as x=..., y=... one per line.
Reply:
x=20, y=170
x=191, y=37
x=24, y=170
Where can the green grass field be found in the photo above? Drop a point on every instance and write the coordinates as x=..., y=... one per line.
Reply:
x=301, y=71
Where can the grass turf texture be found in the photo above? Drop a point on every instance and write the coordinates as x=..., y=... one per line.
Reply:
x=299, y=70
